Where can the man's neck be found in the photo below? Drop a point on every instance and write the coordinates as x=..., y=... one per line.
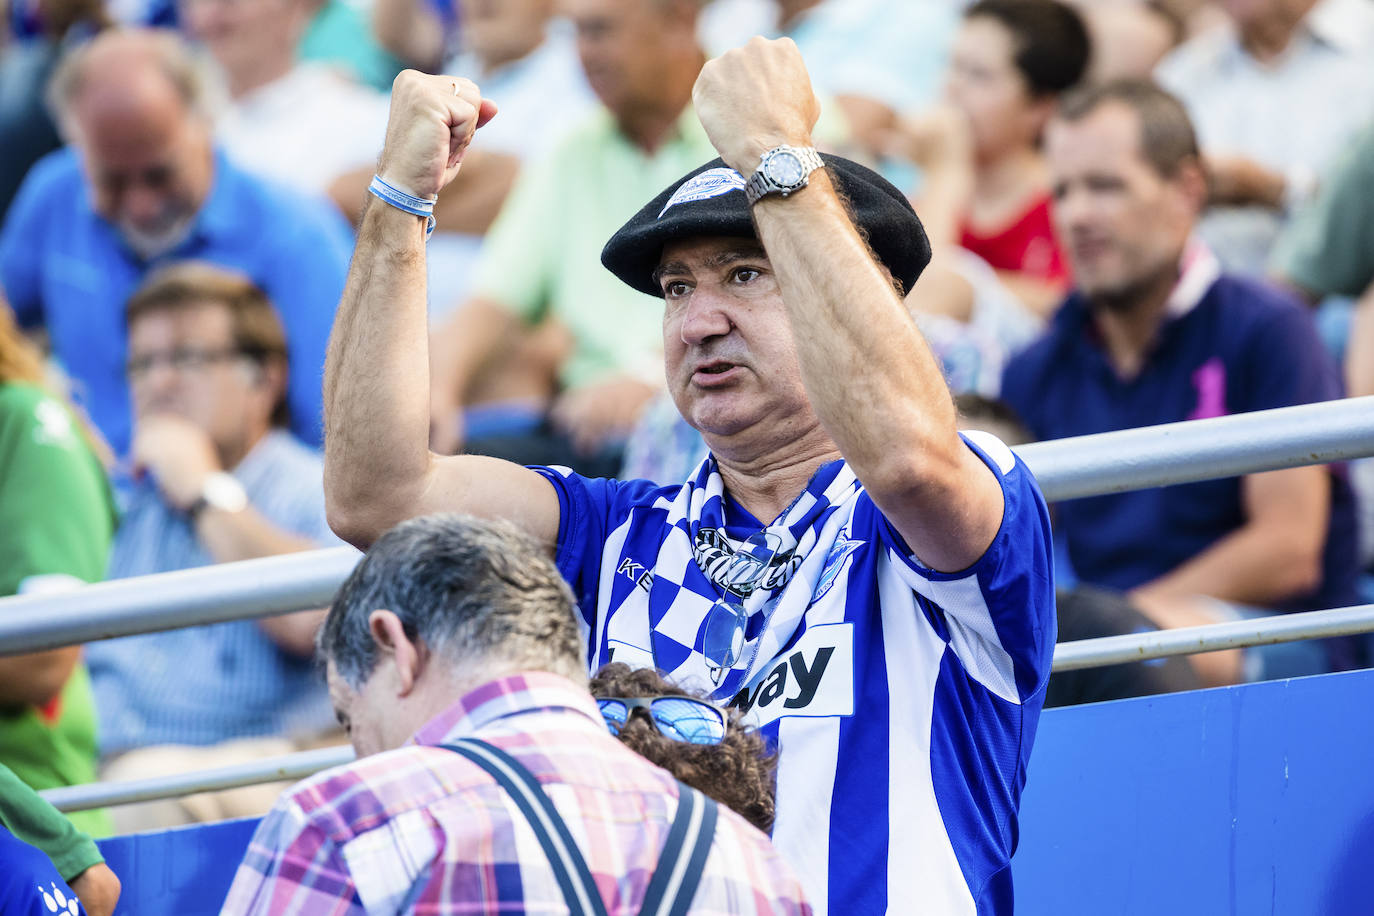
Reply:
x=766, y=483
x=1266, y=39
x=649, y=126
x=1130, y=323
x=1008, y=176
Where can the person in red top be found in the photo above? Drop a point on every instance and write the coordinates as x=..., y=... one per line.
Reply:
x=986, y=186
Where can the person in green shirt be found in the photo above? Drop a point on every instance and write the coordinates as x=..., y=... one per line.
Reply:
x=56, y=522
x=24, y=813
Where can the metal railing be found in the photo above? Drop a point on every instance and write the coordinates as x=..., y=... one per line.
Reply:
x=1068, y=656
x=1065, y=468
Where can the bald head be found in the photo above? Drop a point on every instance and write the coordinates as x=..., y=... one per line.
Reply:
x=133, y=103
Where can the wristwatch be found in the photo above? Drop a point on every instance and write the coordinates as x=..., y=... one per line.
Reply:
x=220, y=491
x=784, y=169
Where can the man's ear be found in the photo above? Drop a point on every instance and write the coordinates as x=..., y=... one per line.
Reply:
x=406, y=654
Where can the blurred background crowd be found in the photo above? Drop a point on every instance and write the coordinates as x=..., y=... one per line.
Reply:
x=1142, y=211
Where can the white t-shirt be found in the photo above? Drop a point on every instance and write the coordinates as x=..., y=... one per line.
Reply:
x=306, y=128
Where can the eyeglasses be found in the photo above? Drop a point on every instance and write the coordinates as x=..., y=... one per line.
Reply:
x=185, y=359
x=727, y=618
x=685, y=719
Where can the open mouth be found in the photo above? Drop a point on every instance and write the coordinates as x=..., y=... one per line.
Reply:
x=710, y=374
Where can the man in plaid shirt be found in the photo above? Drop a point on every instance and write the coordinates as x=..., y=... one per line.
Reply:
x=444, y=607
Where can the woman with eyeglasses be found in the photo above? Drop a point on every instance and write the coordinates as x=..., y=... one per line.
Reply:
x=701, y=744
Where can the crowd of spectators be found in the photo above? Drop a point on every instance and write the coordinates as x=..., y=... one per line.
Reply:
x=1142, y=211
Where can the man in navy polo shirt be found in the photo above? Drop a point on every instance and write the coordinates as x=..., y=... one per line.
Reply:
x=1155, y=333
x=140, y=186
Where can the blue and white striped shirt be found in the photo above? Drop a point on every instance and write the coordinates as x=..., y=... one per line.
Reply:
x=203, y=685
x=904, y=701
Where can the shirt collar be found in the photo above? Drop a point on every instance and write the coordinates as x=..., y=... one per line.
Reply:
x=529, y=691
x=1198, y=270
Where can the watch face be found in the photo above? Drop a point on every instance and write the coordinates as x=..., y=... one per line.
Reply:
x=785, y=169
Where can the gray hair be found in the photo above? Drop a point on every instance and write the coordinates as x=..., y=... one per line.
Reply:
x=188, y=71
x=480, y=594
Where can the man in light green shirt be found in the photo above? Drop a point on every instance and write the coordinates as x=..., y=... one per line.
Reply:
x=541, y=264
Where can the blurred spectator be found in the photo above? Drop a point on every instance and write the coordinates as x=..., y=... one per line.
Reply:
x=71, y=856
x=1129, y=37
x=905, y=47
x=452, y=632
x=56, y=518
x=143, y=185
x=340, y=35
x=25, y=67
x=523, y=58
x=219, y=479
x=1328, y=249
x=1263, y=93
x=1156, y=333
x=541, y=259
x=739, y=770
x=301, y=123
x=986, y=187
x=1327, y=253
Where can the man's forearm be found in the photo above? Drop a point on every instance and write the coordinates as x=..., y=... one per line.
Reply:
x=1249, y=566
x=856, y=342
x=376, y=383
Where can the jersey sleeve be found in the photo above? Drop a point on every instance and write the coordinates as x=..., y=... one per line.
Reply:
x=591, y=511
x=999, y=613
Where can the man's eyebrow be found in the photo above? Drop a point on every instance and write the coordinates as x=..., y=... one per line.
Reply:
x=744, y=252
x=747, y=251
x=664, y=270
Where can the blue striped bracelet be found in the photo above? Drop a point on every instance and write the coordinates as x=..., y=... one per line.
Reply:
x=403, y=201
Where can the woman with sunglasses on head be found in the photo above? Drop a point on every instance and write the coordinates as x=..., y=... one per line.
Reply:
x=702, y=745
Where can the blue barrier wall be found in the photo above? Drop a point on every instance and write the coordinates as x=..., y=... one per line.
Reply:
x=1256, y=799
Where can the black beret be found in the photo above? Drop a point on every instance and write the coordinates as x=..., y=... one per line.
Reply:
x=709, y=201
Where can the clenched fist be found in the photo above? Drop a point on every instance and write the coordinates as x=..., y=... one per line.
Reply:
x=432, y=122
x=754, y=98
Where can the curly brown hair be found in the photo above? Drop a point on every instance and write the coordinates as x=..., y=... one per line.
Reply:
x=740, y=772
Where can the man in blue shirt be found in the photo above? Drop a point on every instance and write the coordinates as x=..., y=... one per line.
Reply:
x=140, y=186
x=217, y=480
x=1155, y=333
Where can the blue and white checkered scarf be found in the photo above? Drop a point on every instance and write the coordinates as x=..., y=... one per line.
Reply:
x=698, y=562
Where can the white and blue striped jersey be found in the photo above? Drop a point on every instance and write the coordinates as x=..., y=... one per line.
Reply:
x=903, y=701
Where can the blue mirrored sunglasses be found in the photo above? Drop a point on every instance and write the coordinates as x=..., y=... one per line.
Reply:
x=680, y=718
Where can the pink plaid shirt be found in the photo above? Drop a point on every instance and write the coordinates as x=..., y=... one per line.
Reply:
x=421, y=829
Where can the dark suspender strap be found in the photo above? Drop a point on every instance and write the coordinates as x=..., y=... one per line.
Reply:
x=683, y=859
x=568, y=864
